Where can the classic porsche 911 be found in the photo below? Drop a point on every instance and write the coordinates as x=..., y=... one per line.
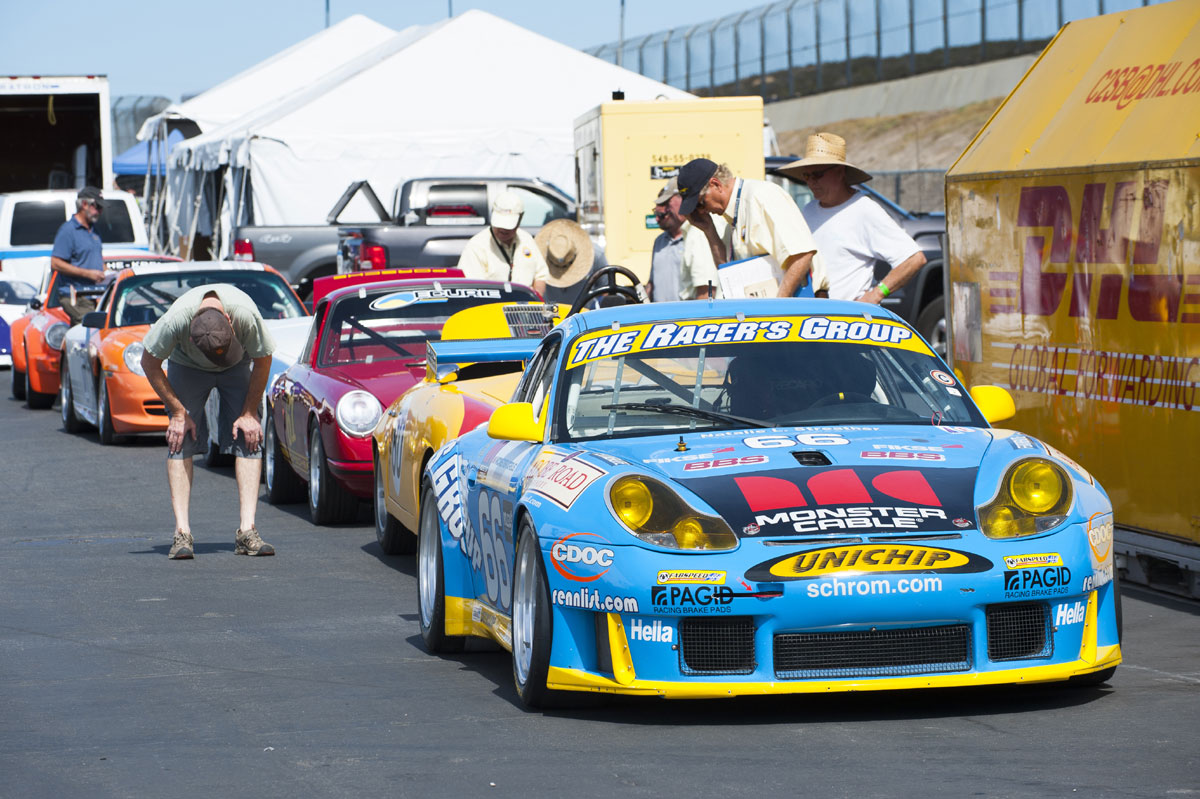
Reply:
x=102, y=382
x=366, y=347
x=712, y=499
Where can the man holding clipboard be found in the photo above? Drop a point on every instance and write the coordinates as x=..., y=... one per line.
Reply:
x=764, y=225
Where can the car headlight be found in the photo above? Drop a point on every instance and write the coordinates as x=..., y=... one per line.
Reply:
x=133, y=358
x=657, y=515
x=55, y=334
x=357, y=413
x=1035, y=496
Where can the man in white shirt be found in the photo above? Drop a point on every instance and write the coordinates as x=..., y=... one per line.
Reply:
x=762, y=219
x=851, y=229
x=697, y=274
x=503, y=251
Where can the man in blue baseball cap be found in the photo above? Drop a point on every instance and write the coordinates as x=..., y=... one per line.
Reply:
x=763, y=221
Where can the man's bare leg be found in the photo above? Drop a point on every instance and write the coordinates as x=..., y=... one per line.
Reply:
x=248, y=472
x=179, y=480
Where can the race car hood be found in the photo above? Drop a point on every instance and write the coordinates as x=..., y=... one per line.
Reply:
x=809, y=480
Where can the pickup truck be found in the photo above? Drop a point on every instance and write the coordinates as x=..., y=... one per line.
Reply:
x=433, y=218
x=428, y=225
x=919, y=301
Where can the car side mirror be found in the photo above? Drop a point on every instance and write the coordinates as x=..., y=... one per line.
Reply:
x=515, y=422
x=35, y=304
x=994, y=402
x=94, y=319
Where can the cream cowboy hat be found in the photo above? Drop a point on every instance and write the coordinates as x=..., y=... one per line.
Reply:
x=568, y=252
x=824, y=149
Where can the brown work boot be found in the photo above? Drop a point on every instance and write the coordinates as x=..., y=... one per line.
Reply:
x=181, y=547
x=249, y=543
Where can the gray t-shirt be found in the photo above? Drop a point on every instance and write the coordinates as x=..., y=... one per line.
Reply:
x=170, y=337
x=665, y=260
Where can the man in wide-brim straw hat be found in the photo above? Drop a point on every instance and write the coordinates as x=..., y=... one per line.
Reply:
x=570, y=257
x=852, y=231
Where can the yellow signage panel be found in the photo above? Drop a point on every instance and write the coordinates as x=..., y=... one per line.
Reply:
x=1080, y=293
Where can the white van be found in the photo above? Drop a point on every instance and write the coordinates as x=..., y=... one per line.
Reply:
x=30, y=219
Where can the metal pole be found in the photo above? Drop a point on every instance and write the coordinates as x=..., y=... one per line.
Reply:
x=326, y=13
x=983, y=29
x=912, y=37
x=945, y=33
x=737, y=52
x=666, y=45
x=817, y=41
x=791, y=74
x=1020, y=25
x=1060, y=12
x=712, y=57
x=878, y=42
x=846, y=8
x=762, y=52
x=621, y=34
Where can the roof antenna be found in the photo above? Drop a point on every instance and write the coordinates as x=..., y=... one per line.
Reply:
x=681, y=446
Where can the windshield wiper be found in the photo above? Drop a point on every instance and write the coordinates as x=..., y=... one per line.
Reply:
x=684, y=410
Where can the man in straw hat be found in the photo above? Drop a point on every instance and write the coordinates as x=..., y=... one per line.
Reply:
x=851, y=230
x=570, y=257
x=214, y=338
x=682, y=258
x=502, y=251
x=763, y=221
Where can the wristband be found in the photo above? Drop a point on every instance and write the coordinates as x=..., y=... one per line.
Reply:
x=883, y=289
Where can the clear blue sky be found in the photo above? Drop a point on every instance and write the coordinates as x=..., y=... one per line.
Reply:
x=173, y=48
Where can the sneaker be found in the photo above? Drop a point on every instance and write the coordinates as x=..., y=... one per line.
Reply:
x=249, y=543
x=181, y=547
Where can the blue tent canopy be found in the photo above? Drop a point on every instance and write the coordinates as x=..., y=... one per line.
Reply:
x=133, y=160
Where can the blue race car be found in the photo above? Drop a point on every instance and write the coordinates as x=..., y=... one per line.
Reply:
x=712, y=499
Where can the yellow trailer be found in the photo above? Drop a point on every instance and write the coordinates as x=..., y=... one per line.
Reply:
x=1073, y=225
x=626, y=151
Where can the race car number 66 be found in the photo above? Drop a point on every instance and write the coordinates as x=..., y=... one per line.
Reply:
x=806, y=439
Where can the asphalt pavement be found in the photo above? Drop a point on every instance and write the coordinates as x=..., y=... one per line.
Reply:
x=125, y=674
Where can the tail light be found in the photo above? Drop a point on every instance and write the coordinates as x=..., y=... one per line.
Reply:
x=457, y=209
x=243, y=250
x=373, y=256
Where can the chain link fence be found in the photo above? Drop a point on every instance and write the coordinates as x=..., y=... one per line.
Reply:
x=800, y=47
x=920, y=190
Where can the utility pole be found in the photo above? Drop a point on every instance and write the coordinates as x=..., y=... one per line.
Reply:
x=449, y=8
x=621, y=35
x=326, y=13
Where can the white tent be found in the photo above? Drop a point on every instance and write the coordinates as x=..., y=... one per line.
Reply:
x=282, y=74
x=474, y=95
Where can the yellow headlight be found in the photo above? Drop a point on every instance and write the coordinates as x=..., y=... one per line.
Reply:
x=1036, y=486
x=690, y=534
x=1001, y=523
x=632, y=502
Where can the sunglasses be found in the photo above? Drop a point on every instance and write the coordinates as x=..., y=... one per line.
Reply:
x=808, y=177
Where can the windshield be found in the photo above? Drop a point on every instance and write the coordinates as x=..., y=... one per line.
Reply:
x=142, y=299
x=16, y=292
x=766, y=372
x=387, y=326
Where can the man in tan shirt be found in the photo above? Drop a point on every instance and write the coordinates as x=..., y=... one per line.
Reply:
x=503, y=251
x=762, y=218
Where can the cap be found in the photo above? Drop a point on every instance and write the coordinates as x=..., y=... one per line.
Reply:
x=213, y=336
x=506, y=210
x=693, y=176
x=91, y=194
x=668, y=191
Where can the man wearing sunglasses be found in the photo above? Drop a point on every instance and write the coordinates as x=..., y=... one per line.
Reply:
x=77, y=255
x=851, y=230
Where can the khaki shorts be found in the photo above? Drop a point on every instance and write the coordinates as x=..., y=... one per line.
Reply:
x=193, y=386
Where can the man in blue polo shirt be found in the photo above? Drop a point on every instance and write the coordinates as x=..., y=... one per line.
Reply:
x=77, y=254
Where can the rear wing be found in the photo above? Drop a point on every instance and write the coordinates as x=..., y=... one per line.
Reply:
x=324, y=285
x=445, y=357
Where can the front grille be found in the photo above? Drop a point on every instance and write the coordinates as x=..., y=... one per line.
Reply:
x=717, y=646
x=1019, y=630
x=530, y=321
x=873, y=653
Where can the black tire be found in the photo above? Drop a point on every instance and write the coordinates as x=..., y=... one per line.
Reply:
x=284, y=486
x=328, y=502
x=931, y=324
x=431, y=580
x=18, y=383
x=36, y=400
x=108, y=435
x=532, y=621
x=71, y=422
x=393, y=537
